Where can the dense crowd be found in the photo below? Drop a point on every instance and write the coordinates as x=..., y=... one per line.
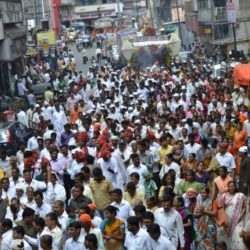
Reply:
x=155, y=159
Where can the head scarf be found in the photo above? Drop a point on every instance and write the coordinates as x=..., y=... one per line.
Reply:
x=82, y=137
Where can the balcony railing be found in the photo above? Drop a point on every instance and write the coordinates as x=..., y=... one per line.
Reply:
x=220, y=14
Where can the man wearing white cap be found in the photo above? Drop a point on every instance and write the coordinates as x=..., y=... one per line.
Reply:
x=244, y=175
x=175, y=102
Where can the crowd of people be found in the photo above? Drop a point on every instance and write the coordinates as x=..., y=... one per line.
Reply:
x=121, y=159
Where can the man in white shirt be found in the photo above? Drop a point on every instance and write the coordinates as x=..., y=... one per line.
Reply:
x=158, y=241
x=76, y=241
x=29, y=182
x=225, y=158
x=136, y=237
x=40, y=208
x=88, y=228
x=22, y=117
x=7, y=232
x=170, y=164
x=169, y=219
x=62, y=216
x=137, y=167
x=18, y=241
x=32, y=142
x=109, y=167
x=124, y=208
x=193, y=147
x=14, y=211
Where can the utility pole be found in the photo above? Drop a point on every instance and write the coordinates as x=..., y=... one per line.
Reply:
x=118, y=3
x=234, y=35
x=179, y=21
x=35, y=14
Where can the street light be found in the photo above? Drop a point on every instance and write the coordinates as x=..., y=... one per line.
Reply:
x=127, y=50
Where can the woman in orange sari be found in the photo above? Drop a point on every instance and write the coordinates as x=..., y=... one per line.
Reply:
x=240, y=136
x=113, y=229
x=239, y=140
x=221, y=186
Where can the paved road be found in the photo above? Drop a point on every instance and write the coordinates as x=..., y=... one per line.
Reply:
x=79, y=61
x=40, y=88
x=78, y=56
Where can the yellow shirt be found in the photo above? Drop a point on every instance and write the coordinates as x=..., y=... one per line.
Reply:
x=135, y=200
x=101, y=193
x=48, y=95
x=1, y=174
x=163, y=152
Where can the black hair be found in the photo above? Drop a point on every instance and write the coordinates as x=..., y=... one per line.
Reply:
x=140, y=209
x=80, y=175
x=136, y=175
x=154, y=228
x=80, y=187
x=180, y=199
x=75, y=224
x=27, y=170
x=92, y=238
x=132, y=156
x=149, y=215
x=28, y=212
x=53, y=216
x=167, y=198
x=38, y=192
x=7, y=223
x=86, y=170
x=134, y=221
x=5, y=179
x=117, y=191
x=19, y=230
x=191, y=172
x=224, y=168
x=97, y=172
x=39, y=221
x=111, y=209
x=164, y=183
x=47, y=239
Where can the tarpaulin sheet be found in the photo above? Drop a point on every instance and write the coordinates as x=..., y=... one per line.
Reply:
x=241, y=75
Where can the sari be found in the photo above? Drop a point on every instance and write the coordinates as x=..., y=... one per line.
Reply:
x=205, y=226
x=222, y=186
x=114, y=228
x=234, y=205
x=189, y=233
x=196, y=185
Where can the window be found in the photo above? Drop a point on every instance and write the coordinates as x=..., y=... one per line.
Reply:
x=203, y=4
x=221, y=31
x=219, y=3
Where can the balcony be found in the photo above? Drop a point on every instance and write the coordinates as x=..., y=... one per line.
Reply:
x=220, y=14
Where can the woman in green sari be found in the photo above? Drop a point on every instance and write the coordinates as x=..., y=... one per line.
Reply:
x=190, y=183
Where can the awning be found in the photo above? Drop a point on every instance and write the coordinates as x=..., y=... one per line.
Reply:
x=14, y=31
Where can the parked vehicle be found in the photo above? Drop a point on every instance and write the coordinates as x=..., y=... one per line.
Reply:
x=11, y=133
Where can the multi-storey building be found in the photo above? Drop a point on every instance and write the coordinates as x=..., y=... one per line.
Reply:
x=12, y=42
x=208, y=20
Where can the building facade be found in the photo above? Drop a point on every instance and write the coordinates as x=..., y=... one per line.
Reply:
x=207, y=19
x=12, y=42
